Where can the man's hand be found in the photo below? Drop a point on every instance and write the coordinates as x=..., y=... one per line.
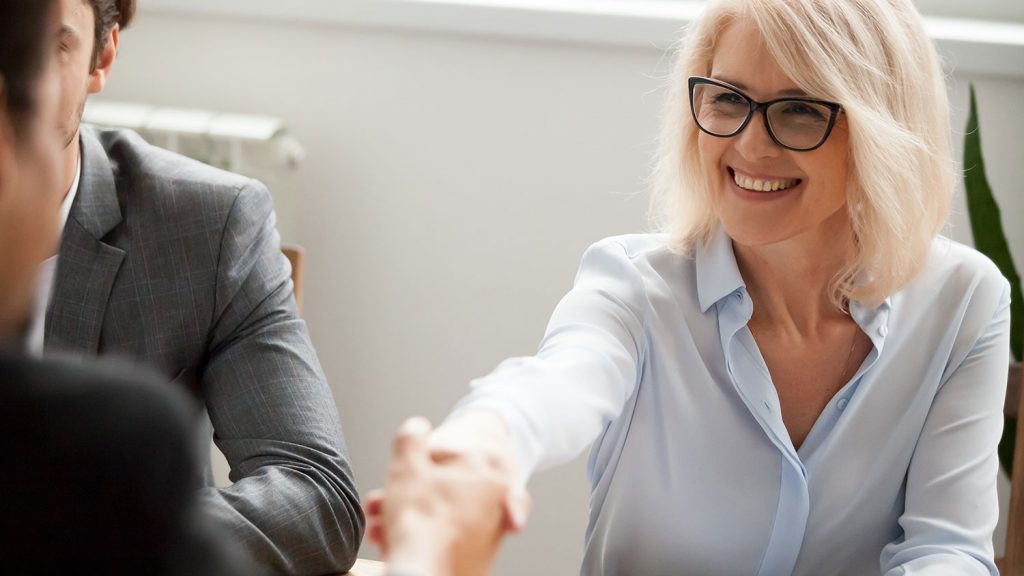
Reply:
x=450, y=497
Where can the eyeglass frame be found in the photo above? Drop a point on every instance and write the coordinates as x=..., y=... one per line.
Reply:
x=833, y=107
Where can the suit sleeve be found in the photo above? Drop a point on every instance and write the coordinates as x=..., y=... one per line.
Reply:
x=293, y=504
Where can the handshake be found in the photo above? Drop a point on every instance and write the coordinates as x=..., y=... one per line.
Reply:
x=451, y=496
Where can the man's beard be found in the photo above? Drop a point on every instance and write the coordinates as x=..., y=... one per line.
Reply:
x=72, y=134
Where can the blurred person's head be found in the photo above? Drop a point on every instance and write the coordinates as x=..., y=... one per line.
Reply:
x=87, y=49
x=880, y=180
x=29, y=153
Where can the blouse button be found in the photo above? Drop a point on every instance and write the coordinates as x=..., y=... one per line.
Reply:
x=842, y=403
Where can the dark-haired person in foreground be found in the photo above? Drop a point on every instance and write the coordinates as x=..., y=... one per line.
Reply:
x=177, y=265
x=98, y=461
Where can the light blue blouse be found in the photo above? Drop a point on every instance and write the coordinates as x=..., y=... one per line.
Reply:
x=693, y=471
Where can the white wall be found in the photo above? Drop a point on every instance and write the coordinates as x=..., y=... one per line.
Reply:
x=451, y=185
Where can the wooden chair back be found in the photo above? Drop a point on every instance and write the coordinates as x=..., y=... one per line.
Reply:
x=1012, y=562
x=297, y=257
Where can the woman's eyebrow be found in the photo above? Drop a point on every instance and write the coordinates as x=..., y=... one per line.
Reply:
x=741, y=86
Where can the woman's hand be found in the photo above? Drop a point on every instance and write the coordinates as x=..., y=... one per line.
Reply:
x=451, y=495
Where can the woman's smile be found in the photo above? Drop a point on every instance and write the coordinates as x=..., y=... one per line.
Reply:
x=760, y=187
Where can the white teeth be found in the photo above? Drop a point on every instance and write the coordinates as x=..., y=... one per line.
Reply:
x=762, y=185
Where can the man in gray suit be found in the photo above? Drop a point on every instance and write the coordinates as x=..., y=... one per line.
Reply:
x=176, y=264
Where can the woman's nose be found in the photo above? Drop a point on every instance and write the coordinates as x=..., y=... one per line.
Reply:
x=754, y=142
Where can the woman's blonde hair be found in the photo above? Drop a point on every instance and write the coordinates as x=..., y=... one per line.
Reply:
x=874, y=58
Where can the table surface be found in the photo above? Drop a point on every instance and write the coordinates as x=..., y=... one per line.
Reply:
x=368, y=568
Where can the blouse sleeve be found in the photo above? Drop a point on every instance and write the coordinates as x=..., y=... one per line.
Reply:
x=951, y=506
x=557, y=402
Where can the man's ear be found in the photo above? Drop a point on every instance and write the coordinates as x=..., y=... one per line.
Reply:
x=105, y=62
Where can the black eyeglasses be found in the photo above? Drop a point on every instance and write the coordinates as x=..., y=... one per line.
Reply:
x=799, y=124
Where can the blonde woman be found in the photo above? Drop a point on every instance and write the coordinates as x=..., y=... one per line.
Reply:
x=799, y=375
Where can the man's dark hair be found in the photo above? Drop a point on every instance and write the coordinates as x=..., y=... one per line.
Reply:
x=107, y=13
x=24, y=43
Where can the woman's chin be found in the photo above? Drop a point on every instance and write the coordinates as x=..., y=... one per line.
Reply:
x=750, y=230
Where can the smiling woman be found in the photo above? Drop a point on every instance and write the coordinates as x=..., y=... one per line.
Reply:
x=895, y=115
x=798, y=375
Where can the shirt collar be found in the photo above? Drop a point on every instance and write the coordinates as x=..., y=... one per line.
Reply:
x=69, y=199
x=717, y=273
x=718, y=276
x=874, y=321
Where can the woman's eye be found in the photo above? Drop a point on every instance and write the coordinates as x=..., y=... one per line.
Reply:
x=803, y=110
x=729, y=98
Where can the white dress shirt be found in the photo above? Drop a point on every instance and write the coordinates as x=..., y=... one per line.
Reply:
x=46, y=275
x=693, y=470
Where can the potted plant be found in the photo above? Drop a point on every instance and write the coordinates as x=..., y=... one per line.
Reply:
x=987, y=229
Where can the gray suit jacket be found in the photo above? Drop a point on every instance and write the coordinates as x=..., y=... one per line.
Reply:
x=177, y=264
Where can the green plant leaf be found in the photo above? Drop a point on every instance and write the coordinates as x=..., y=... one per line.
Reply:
x=987, y=228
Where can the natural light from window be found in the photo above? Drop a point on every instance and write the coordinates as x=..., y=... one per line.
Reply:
x=1004, y=10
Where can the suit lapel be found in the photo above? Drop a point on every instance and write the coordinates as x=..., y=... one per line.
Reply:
x=87, y=266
